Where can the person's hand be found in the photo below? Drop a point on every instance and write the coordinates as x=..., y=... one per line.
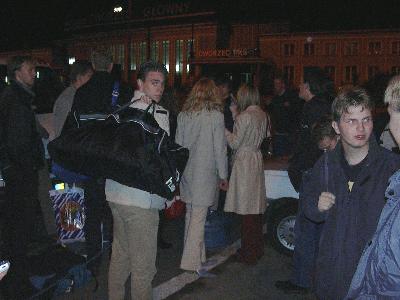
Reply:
x=234, y=110
x=223, y=185
x=326, y=201
x=2, y=274
x=146, y=99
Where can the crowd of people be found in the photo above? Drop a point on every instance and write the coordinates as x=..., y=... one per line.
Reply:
x=346, y=232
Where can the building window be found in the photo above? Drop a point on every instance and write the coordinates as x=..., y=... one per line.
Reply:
x=396, y=70
x=165, y=54
x=288, y=74
x=178, y=56
x=189, y=53
x=132, y=55
x=396, y=48
x=374, y=48
x=372, y=71
x=330, y=71
x=330, y=49
x=308, y=49
x=350, y=75
x=118, y=52
x=351, y=48
x=154, y=51
x=142, y=52
x=288, y=49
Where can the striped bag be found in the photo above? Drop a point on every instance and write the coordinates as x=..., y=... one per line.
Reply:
x=69, y=210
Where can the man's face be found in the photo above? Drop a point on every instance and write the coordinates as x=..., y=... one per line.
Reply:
x=153, y=85
x=394, y=123
x=26, y=74
x=223, y=91
x=279, y=86
x=355, y=127
x=83, y=78
x=304, y=91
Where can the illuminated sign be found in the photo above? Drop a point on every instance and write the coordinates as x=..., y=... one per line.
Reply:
x=227, y=52
x=170, y=9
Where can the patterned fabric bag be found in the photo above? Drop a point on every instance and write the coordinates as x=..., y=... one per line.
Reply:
x=69, y=210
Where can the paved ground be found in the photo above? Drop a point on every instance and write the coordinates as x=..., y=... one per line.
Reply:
x=233, y=281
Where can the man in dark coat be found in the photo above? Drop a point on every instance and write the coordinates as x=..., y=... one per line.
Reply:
x=285, y=111
x=21, y=156
x=316, y=105
x=346, y=191
x=95, y=98
x=224, y=85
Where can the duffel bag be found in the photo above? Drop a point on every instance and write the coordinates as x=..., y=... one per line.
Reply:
x=128, y=147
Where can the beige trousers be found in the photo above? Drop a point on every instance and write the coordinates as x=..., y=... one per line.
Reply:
x=194, y=253
x=134, y=251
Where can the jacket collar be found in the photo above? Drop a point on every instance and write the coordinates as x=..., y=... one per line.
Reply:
x=373, y=154
x=26, y=88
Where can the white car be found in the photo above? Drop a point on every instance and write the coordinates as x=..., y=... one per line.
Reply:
x=282, y=208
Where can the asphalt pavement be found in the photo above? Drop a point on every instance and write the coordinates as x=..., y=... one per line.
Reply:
x=233, y=281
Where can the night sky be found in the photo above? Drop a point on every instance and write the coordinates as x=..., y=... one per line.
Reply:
x=26, y=24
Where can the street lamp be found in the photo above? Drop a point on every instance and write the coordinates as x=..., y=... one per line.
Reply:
x=117, y=9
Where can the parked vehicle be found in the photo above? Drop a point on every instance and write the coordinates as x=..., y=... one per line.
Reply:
x=282, y=209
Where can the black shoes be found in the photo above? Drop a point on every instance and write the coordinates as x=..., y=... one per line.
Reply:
x=290, y=288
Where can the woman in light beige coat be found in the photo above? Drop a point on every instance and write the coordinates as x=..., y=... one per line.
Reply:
x=201, y=130
x=246, y=193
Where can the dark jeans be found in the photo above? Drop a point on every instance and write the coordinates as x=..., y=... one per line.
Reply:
x=97, y=212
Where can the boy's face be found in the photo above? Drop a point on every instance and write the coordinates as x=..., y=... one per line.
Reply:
x=394, y=123
x=153, y=85
x=354, y=127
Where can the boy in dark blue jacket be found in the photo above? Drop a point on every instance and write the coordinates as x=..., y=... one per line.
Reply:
x=346, y=191
x=378, y=272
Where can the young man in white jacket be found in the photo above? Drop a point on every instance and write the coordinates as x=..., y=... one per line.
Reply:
x=135, y=212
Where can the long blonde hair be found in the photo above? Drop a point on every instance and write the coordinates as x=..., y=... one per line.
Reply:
x=246, y=96
x=204, y=95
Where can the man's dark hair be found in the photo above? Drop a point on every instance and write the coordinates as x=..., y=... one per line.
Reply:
x=80, y=67
x=281, y=78
x=15, y=63
x=101, y=59
x=323, y=128
x=350, y=97
x=224, y=80
x=316, y=81
x=151, y=66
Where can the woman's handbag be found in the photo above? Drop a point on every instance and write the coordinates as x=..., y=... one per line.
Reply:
x=128, y=147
